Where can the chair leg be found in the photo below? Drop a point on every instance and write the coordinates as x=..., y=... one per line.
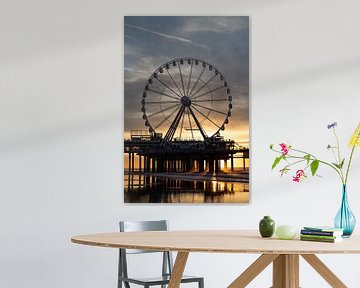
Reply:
x=126, y=284
x=201, y=283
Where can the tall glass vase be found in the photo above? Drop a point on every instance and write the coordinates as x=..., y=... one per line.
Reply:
x=345, y=219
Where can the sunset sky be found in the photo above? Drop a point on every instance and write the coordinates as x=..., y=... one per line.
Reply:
x=220, y=41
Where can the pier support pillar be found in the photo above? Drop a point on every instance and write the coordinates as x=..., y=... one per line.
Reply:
x=160, y=167
x=201, y=166
x=153, y=164
x=188, y=165
x=132, y=162
x=191, y=165
x=217, y=166
x=147, y=164
x=129, y=164
x=211, y=166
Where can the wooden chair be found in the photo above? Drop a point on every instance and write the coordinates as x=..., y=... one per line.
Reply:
x=167, y=262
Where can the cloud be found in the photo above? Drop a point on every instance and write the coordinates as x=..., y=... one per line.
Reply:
x=134, y=75
x=131, y=69
x=138, y=68
x=172, y=37
x=131, y=37
x=214, y=24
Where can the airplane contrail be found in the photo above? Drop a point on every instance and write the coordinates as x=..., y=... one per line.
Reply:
x=166, y=35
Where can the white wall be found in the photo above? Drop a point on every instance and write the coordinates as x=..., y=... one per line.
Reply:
x=61, y=107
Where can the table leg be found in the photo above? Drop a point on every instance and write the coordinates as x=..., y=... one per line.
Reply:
x=286, y=271
x=178, y=269
x=253, y=270
x=324, y=271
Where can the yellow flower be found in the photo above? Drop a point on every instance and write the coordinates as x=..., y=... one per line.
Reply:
x=355, y=138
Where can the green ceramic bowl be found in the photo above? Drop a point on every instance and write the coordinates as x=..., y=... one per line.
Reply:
x=285, y=232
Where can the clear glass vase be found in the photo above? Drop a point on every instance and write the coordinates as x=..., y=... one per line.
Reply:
x=345, y=219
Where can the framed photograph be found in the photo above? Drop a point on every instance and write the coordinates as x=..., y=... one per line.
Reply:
x=186, y=91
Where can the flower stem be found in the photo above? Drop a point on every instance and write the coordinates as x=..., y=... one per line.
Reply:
x=338, y=171
x=320, y=161
x=296, y=162
x=333, y=152
x=348, y=167
x=339, y=156
x=337, y=146
x=304, y=152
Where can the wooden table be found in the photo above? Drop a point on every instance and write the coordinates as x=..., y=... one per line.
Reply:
x=284, y=254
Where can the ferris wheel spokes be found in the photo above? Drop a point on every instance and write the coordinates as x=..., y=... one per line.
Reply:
x=188, y=86
x=163, y=110
x=170, y=133
x=166, y=118
x=207, y=100
x=207, y=118
x=179, y=95
x=202, y=86
x=162, y=93
x=197, y=80
x=211, y=109
x=205, y=93
x=173, y=80
x=181, y=77
x=203, y=133
x=191, y=101
x=191, y=129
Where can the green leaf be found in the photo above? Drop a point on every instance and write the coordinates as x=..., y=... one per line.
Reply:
x=336, y=165
x=342, y=163
x=339, y=166
x=276, y=161
x=314, y=166
x=307, y=157
x=271, y=146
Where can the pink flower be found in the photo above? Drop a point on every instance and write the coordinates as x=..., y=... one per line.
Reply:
x=300, y=174
x=284, y=148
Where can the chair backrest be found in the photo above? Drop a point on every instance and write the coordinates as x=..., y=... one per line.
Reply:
x=134, y=226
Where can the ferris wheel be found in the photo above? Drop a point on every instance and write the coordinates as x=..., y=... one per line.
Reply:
x=186, y=99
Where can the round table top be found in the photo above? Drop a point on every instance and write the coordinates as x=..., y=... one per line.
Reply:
x=217, y=241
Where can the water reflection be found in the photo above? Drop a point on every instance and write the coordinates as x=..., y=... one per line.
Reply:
x=158, y=189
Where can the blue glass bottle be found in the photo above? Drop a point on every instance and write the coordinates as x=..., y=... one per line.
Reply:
x=345, y=219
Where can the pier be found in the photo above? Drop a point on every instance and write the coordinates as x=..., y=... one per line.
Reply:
x=152, y=153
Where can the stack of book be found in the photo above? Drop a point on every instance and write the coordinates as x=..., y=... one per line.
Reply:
x=321, y=234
